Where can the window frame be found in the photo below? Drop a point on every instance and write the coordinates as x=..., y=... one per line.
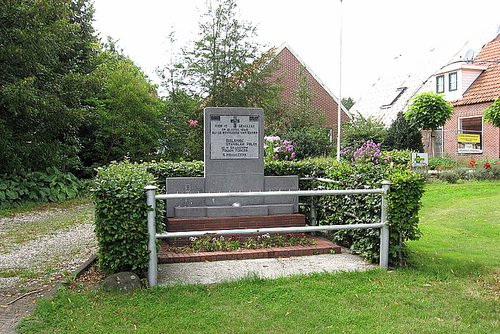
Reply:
x=460, y=130
x=441, y=76
x=449, y=81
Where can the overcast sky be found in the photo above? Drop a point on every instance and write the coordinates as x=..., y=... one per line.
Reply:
x=374, y=31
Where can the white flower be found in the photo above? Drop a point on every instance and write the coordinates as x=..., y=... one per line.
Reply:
x=271, y=138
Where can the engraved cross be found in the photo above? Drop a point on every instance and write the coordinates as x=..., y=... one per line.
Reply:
x=235, y=121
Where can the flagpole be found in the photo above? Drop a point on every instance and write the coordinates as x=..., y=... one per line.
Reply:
x=339, y=103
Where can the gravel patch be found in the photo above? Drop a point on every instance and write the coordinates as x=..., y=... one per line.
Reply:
x=221, y=271
x=38, y=263
x=47, y=258
x=7, y=223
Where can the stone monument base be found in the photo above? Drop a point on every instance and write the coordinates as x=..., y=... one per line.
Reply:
x=231, y=223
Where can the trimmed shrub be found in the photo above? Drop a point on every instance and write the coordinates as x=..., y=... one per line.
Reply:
x=121, y=210
x=39, y=187
x=121, y=216
x=404, y=202
x=163, y=169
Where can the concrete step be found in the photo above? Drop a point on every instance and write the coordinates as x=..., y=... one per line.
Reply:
x=233, y=211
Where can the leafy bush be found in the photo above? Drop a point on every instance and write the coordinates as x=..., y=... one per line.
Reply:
x=121, y=210
x=362, y=129
x=492, y=113
x=404, y=201
x=121, y=216
x=398, y=157
x=163, y=169
x=449, y=176
x=441, y=163
x=369, y=152
x=310, y=142
x=402, y=135
x=49, y=186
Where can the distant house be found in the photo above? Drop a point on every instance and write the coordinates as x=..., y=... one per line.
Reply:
x=472, y=86
x=470, y=81
x=392, y=91
x=288, y=73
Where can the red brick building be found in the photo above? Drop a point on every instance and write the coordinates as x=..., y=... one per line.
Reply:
x=468, y=111
x=287, y=72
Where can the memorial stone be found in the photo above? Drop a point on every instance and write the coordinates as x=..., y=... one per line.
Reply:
x=234, y=162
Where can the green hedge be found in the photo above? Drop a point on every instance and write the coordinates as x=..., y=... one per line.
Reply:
x=121, y=210
x=121, y=216
x=404, y=202
x=38, y=187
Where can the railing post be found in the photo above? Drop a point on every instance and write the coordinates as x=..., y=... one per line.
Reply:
x=384, y=230
x=313, y=216
x=153, y=257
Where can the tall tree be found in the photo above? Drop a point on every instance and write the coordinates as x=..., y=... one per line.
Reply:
x=125, y=118
x=225, y=66
x=47, y=51
x=302, y=112
x=429, y=111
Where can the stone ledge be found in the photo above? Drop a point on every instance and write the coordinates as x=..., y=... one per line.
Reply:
x=323, y=246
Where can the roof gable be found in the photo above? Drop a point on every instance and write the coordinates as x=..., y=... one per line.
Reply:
x=486, y=88
x=288, y=57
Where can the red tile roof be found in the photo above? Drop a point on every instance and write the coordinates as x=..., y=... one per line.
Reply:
x=486, y=88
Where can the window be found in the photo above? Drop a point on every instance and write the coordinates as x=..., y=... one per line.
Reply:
x=452, y=81
x=394, y=97
x=440, y=84
x=470, y=134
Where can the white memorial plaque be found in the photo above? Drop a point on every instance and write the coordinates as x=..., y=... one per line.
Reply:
x=234, y=137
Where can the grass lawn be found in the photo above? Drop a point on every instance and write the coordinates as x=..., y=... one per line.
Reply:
x=451, y=286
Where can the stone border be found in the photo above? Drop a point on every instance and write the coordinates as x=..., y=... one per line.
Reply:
x=323, y=246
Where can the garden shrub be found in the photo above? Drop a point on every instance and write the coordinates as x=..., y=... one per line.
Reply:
x=403, y=200
x=39, y=187
x=121, y=216
x=402, y=135
x=121, y=211
x=163, y=169
x=488, y=171
x=361, y=129
x=398, y=157
x=450, y=176
x=310, y=142
x=442, y=163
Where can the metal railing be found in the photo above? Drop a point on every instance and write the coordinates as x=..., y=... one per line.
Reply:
x=152, y=197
